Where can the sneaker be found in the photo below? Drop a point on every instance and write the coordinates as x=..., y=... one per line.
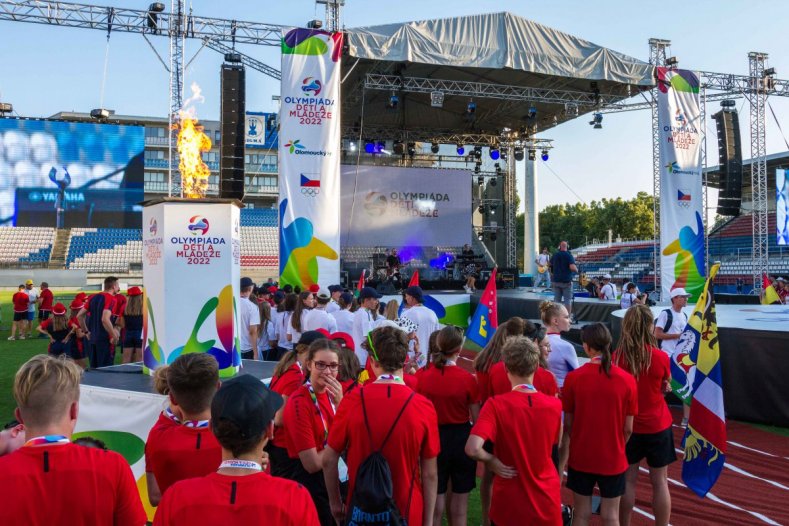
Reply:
x=684, y=422
x=22, y=337
x=12, y=338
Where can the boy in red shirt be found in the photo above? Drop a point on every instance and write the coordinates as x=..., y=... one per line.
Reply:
x=180, y=445
x=50, y=480
x=525, y=425
x=600, y=401
x=45, y=301
x=21, y=301
x=413, y=443
x=239, y=492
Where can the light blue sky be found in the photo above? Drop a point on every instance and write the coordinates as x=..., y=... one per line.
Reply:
x=48, y=69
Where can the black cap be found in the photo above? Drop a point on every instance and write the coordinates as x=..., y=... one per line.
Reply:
x=415, y=292
x=335, y=288
x=279, y=295
x=247, y=403
x=346, y=297
x=247, y=282
x=369, y=292
x=309, y=337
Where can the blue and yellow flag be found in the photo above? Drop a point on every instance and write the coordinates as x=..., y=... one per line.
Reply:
x=485, y=319
x=698, y=354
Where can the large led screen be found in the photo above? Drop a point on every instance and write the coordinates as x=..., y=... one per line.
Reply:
x=92, y=173
x=782, y=206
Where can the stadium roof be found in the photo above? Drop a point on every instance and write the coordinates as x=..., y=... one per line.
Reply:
x=498, y=49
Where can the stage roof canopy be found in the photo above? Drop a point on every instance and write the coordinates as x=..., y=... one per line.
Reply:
x=502, y=63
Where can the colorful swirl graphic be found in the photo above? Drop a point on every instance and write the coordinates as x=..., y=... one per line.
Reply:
x=300, y=250
x=312, y=42
x=689, y=271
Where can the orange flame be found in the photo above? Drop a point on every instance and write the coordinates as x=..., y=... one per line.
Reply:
x=194, y=172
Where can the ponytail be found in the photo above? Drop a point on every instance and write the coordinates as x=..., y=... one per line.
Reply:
x=597, y=337
x=448, y=342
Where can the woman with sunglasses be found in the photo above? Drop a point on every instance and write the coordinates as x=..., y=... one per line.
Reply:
x=308, y=416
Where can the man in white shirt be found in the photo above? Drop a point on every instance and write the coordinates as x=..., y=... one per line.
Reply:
x=31, y=306
x=544, y=277
x=249, y=322
x=344, y=316
x=364, y=320
x=318, y=318
x=335, y=291
x=608, y=290
x=424, y=318
x=668, y=329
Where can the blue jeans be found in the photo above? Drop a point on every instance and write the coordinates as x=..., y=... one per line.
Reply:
x=563, y=293
x=543, y=279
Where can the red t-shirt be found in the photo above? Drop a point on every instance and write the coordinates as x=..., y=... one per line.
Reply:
x=119, y=305
x=21, y=301
x=410, y=380
x=286, y=384
x=175, y=452
x=451, y=389
x=46, y=297
x=599, y=405
x=223, y=499
x=304, y=424
x=414, y=437
x=653, y=414
x=483, y=382
x=524, y=427
x=71, y=484
x=544, y=381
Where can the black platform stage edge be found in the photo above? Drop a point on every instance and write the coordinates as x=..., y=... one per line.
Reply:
x=129, y=377
x=527, y=305
x=755, y=367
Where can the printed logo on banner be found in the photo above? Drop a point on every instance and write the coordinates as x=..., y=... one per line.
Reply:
x=153, y=226
x=375, y=204
x=310, y=184
x=683, y=197
x=679, y=117
x=302, y=41
x=311, y=86
x=295, y=147
x=253, y=130
x=673, y=168
x=198, y=224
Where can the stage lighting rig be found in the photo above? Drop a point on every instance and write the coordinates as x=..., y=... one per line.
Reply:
x=672, y=62
x=518, y=153
x=769, y=72
x=532, y=155
x=437, y=99
x=493, y=181
x=315, y=24
x=480, y=236
x=101, y=114
x=532, y=114
x=481, y=209
x=493, y=210
x=434, y=147
x=460, y=150
x=494, y=153
x=471, y=110
x=411, y=149
x=369, y=147
x=481, y=180
x=153, y=15
x=544, y=155
x=597, y=121
x=477, y=167
x=394, y=102
x=478, y=152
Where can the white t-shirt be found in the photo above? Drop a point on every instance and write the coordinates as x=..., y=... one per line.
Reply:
x=333, y=306
x=627, y=300
x=265, y=335
x=344, y=319
x=33, y=295
x=678, y=322
x=608, y=291
x=562, y=358
x=363, y=323
x=426, y=322
x=295, y=335
x=281, y=330
x=318, y=318
x=543, y=259
x=250, y=315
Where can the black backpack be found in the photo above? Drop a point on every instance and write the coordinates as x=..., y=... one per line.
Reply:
x=372, y=501
x=669, y=321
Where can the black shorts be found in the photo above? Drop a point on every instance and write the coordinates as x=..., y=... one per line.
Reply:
x=44, y=314
x=657, y=448
x=453, y=463
x=76, y=351
x=611, y=486
x=247, y=355
x=20, y=316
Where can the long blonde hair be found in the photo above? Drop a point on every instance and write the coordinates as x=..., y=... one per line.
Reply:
x=634, y=354
x=133, y=306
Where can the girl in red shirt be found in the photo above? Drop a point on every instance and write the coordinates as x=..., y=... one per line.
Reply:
x=600, y=401
x=77, y=337
x=308, y=416
x=455, y=396
x=58, y=331
x=652, y=437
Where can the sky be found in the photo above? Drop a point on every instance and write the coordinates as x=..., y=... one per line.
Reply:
x=48, y=69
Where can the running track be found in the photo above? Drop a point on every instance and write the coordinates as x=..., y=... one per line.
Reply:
x=752, y=489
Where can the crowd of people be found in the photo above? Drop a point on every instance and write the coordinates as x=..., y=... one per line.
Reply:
x=370, y=415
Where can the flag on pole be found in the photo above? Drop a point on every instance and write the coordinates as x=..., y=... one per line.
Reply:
x=360, y=286
x=770, y=296
x=414, y=279
x=485, y=319
x=705, y=436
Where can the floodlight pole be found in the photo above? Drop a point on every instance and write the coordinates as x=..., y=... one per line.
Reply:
x=758, y=99
x=657, y=57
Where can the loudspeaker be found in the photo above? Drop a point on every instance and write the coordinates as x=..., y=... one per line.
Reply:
x=727, y=123
x=232, y=123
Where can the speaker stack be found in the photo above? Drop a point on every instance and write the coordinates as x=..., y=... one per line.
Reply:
x=727, y=123
x=232, y=122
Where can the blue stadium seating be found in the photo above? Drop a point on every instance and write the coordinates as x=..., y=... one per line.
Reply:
x=93, y=240
x=259, y=217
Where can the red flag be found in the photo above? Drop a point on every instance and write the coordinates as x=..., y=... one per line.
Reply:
x=414, y=279
x=485, y=319
x=361, y=282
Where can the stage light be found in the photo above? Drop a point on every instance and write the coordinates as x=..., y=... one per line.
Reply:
x=315, y=24
x=532, y=113
x=398, y=148
x=532, y=155
x=493, y=181
x=481, y=209
x=437, y=99
x=493, y=236
x=769, y=72
x=518, y=153
x=597, y=121
x=100, y=114
x=6, y=107
x=545, y=155
x=380, y=147
x=434, y=147
x=394, y=100
x=494, y=154
x=477, y=168
x=480, y=236
x=369, y=147
x=411, y=149
x=153, y=15
x=460, y=149
x=672, y=62
x=478, y=152
x=353, y=146
x=471, y=108
x=493, y=210
x=480, y=180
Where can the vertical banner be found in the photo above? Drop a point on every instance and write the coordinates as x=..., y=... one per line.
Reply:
x=309, y=158
x=681, y=224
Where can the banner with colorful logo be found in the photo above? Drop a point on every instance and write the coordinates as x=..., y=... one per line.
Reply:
x=191, y=271
x=309, y=158
x=681, y=224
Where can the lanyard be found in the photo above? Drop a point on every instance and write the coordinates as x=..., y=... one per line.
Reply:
x=47, y=440
x=392, y=378
x=186, y=423
x=596, y=359
x=240, y=464
x=318, y=408
x=524, y=387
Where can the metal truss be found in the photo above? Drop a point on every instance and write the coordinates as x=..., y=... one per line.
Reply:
x=657, y=57
x=510, y=199
x=705, y=181
x=248, y=61
x=758, y=89
x=430, y=135
x=332, y=13
x=647, y=104
x=176, y=69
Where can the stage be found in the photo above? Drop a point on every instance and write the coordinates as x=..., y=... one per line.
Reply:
x=754, y=349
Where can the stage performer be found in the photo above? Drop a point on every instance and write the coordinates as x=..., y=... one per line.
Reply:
x=669, y=326
x=297, y=323
x=364, y=320
x=652, y=436
x=131, y=322
x=455, y=396
x=392, y=262
x=239, y=492
x=543, y=271
x=21, y=301
x=181, y=445
x=525, y=425
x=425, y=319
x=58, y=331
x=308, y=418
x=389, y=417
x=50, y=480
x=102, y=335
x=599, y=401
x=562, y=268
